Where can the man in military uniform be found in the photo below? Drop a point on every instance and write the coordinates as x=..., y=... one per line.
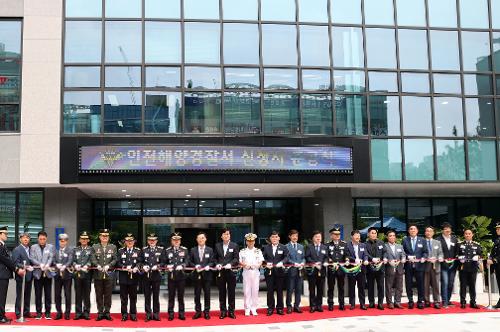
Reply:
x=104, y=259
x=375, y=248
x=337, y=253
x=275, y=255
x=63, y=258
x=469, y=254
x=316, y=255
x=176, y=260
x=494, y=259
x=152, y=258
x=128, y=263
x=83, y=279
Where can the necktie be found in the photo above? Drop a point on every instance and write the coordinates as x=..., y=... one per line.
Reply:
x=295, y=246
x=317, y=249
x=201, y=253
x=413, y=244
x=225, y=250
x=429, y=247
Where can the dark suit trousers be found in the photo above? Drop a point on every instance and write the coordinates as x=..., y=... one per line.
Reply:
x=378, y=277
x=128, y=291
x=293, y=287
x=43, y=288
x=4, y=285
x=410, y=273
x=200, y=284
x=103, y=291
x=82, y=295
x=467, y=279
x=275, y=283
x=59, y=285
x=338, y=276
x=176, y=286
x=316, y=288
x=393, y=286
x=496, y=269
x=227, y=285
x=431, y=280
x=151, y=288
x=358, y=279
x=27, y=296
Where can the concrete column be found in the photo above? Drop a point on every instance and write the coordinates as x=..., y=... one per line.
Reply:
x=335, y=207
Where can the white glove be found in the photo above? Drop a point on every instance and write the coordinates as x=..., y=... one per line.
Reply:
x=325, y=264
x=42, y=267
x=99, y=268
x=475, y=258
x=296, y=265
x=63, y=268
x=269, y=265
x=441, y=259
x=432, y=259
x=228, y=266
x=366, y=262
x=29, y=268
x=170, y=267
x=422, y=260
x=411, y=258
x=462, y=259
x=207, y=268
x=78, y=267
x=129, y=268
x=146, y=268
x=218, y=267
x=280, y=264
x=317, y=265
x=357, y=261
x=58, y=265
x=154, y=268
x=135, y=270
x=403, y=260
x=375, y=260
x=197, y=267
x=385, y=260
x=179, y=268
x=85, y=268
x=106, y=268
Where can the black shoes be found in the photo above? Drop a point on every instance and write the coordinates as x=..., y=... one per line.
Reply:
x=380, y=307
x=330, y=307
x=124, y=318
x=182, y=316
x=420, y=306
x=341, y=307
x=319, y=309
x=222, y=315
x=133, y=317
x=289, y=310
x=297, y=310
x=77, y=317
x=372, y=305
x=171, y=316
x=206, y=315
x=398, y=305
x=437, y=305
x=352, y=307
x=462, y=305
x=312, y=309
x=197, y=315
x=156, y=317
x=280, y=312
x=58, y=316
x=231, y=314
x=411, y=305
x=269, y=312
x=148, y=318
x=5, y=320
x=474, y=306
x=362, y=307
x=107, y=316
x=99, y=317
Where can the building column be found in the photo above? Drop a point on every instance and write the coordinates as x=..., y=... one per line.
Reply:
x=334, y=206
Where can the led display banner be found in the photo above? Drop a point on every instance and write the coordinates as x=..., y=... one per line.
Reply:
x=214, y=159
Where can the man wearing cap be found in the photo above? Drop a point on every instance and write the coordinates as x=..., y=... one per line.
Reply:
x=469, y=256
x=251, y=259
x=63, y=259
x=104, y=259
x=494, y=259
x=128, y=263
x=176, y=260
x=337, y=253
x=7, y=267
x=375, y=272
x=21, y=257
x=294, y=280
x=83, y=278
x=42, y=256
x=152, y=257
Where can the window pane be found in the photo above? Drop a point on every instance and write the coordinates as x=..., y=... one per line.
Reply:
x=8, y=215
x=123, y=42
x=31, y=210
x=211, y=207
x=367, y=213
x=202, y=42
x=386, y=159
x=124, y=8
x=82, y=42
x=236, y=51
x=380, y=48
x=477, y=84
x=10, y=39
x=495, y=14
x=313, y=11
x=384, y=116
x=443, y=210
x=480, y=117
x=419, y=213
x=163, y=42
x=162, y=8
x=314, y=46
x=448, y=116
x=83, y=8
x=379, y=12
x=482, y=161
x=350, y=115
x=10, y=81
x=122, y=112
x=383, y=81
x=81, y=77
x=240, y=10
x=242, y=78
x=163, y=112
x=474, y=14
x=349, y=80
x=281, y=114
x=413, y=49
x=347, y=47
x=411, y=13
x=415, y=82
x=316, y=79
x=203, y=112
x=157, y=207
x=202, y=78
x=123, y=77
x=82, y=112
x=442, y=13
x=444, y=50
x=394, y=213
x=239, y=207
x=279, y=44
x=447, y=83
x=201, y=9
x=241, y=113
x=280, y=79
x=419, y=163
x=496, y=52
x=317, y=114
x=163, y=77
x=10, y=117
x=185, y=207
x=476, y=51
x=417, y=119
x=450, y=160
x=277, y=10
x=345, y=11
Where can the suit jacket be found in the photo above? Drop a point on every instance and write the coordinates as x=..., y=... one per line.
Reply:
x=448, y=253
x=295, y=256
x=37, y=257
x=312, y=256
x=232, y=255
x=280, y=256
x=419, y=252
x=7, y=266
x=19, y=256
x=398, y=256
x=437, y=252
x=208, y=260
x=64, y=258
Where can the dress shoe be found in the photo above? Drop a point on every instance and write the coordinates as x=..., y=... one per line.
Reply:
x=420, y=306
x=206, y=315
x=474, y=306
x=133, y=318
x=362, y=307
x=411, y=305
x=462, y=305
x=247, y=312
x=107, y=316
x=66, y=316
x=58, y=316
x=280, y=312
x=330, y=307
x=47, y=316
x=222, y=315
x=427, y=304
x=99, y=317
x=297, y=310
x=398, y=305
x=182, y=316
x=269, y=312
x=5, y=321
x=231, y=314
x=156, y=317
x=289, y=310
x=380, y=307
x=27, y=315
x=148, y=318
x=86, y=317
x=352, y=307
x=254, y=312
x=319, y=309
x=124, y=318
x=77, y=317
x=38, y=316
x=312, y=309
x=372, y=305
x=390, y=306
x=497, y=306
x=341, y=307
x=171, y=316
x=437, y=306
x=197, y=315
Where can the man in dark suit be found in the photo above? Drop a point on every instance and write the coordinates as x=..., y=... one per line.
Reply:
x=357, y=255
x=449, y=243
x=63, y=259
x=7, y=267
x=316, y=255
x=275, y=256
x=202, y=258
x=294, y=280
x=227, y=258
x=128, y=261
x=376, y=250
x=416, y=251
x=21, y=258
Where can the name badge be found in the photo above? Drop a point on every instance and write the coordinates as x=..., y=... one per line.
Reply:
x=108, y=255
x=474, y=248
x=65, y=255
x=398, y=250
x=157, y=253
x=474, y=253
x=299, y=252
x=146, y=255
x=462, y=247
x=207, y=255
x=78, y=253
x=230, y=250
x=170, y=255
x=331, y=247
x=341, y=252
x=436, y=247
x=420, y=245
x=123, y=256
x=361, y=249
x=342, y=248
x=181, y=254
x=280, y=252
x=380, y=247
x=323, y=252
x=452, y=244
x=46, y=251
x=134, y=255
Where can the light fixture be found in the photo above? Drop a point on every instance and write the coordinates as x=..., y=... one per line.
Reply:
x=188, y=195
x=127, y=195
x=202, y=201
x=186, y=200
x=316, y=204
x=124, y=190
x=444, y=103
x=190, y=189
x=256, y=189
x=257, y=202
x=240, y=200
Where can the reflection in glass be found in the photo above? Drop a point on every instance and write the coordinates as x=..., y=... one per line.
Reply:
x=241, y=113
x=477, y=84
x=444, y=50
x=10, y=117
x=202, y=78
x=413, y=49
x=280, y=79
x=10, y=82
x=123, y=77
x=240, y=10
x=82, y=42
x=419, y=212
x=379, y=12
x=345, y=11
x=394, y=214
x=82, y=112
x=313, y=11
x=201, y=9
x=386, y=159
x=419, y=159
x=10, y=39
x=202, y=42
x=277, y=10
x=482, y=160
x=447, y=83
x=417, y=118
x=442, y=13
x=123, y=42
x=384, y=116
x=496, y=53
x=450, y=157
x=314, y=46
x=122, y=111
x=83, y=8
x=281, y=114
x=495, y=14
x=411, y=13
x=383, y=81
x=316, y=79
x=123, y=8
x=162, y=9
x=236, y=51
x=474, y=14
x=162, y=42
x=242, y=78
x=380, y=48
x=476, y=51
x=163, y=77
x=163, y=112
x=347, y=47
x=350, y=115
x=80, y=77
x=480, y=117
x=415, y=82
x=448, y=116
x=349, y=80
x=279, y=44
x=317, y=114
x=367, y=213
x=202, y=112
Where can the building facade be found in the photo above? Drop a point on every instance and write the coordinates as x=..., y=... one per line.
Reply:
x=143, y=115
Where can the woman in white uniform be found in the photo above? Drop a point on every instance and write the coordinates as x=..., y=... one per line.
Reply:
x=251, y=259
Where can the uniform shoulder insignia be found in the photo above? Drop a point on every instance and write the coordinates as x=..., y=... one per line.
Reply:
x=476, y=242
x=144, y=248
x=160, y=247
x=182, y=247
